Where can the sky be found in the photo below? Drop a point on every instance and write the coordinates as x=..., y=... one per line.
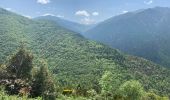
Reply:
x=81, y=11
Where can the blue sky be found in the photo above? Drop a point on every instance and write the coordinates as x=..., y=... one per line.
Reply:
x=81, y=11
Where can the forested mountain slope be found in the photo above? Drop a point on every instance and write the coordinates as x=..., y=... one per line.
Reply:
x=74, y=59
x=143, y=33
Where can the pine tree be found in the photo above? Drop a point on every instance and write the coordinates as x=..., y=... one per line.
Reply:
x=20, y=64
x=43, y=84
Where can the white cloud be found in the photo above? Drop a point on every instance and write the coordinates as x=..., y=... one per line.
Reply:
x=125, y=11
x=82, y=13
x=148, y=2
x=43, y=1
x=49, y=14
x=87, y=21
x=95, y=13
x=9, y=9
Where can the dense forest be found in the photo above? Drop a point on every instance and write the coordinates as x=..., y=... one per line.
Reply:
x=19, y=76
x=41, y=59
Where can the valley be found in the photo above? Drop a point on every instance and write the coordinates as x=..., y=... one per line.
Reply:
x=75, y=61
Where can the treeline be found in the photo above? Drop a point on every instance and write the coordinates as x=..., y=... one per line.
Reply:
x=21, y=78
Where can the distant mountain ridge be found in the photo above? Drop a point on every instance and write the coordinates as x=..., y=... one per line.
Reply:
x=73, y=26
x=144, y=33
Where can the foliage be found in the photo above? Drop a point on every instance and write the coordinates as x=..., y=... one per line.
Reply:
x=43, y=84
x=106, y=83
x=62, y=97
x=20, y=77
x=3, y=72
x=4, y=96
x=132, y=90
x=92, y=93
x=20, y=65
x=153, y=96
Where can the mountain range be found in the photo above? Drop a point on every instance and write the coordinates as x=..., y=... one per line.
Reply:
x=74, y=59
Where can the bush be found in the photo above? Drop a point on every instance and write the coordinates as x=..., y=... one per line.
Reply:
x=132, y=90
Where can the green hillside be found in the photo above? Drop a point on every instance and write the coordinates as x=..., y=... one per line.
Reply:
x=74, y=59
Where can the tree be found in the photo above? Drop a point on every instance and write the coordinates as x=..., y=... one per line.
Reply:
x=18, y=71
x=43, y=84
x=20, y=65
x=110, y=83
x=132, y=90
x=106, y=84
